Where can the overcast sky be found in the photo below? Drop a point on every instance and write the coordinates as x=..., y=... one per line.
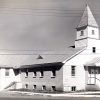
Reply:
x=41, y=24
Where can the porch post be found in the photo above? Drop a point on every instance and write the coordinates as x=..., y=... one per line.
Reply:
x=86, y=76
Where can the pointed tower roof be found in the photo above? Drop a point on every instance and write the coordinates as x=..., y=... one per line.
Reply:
x=87, y=18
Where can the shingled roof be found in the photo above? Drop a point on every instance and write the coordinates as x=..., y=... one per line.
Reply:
x=19, y=58
x=87, y=19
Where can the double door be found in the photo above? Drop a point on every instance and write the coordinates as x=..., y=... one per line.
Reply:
x=93, y=76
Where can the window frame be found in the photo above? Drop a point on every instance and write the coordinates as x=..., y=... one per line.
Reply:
x=41, y=74
x=34, y=87
x=94, y=71
x=73, y=88
x=94, y=49
x=26, y=74
x=26, y=86
x=34, y=74
x=53, y=73
x=43, y=87
x=73, y=70
x=82, y=33
x=53, y=88
x=93, y=32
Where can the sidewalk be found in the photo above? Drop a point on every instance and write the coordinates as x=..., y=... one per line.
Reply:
x=75, y=94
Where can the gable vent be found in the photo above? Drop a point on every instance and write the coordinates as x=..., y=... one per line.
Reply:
x=39, y=57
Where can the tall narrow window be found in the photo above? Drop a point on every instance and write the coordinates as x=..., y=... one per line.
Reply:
x=41, y=74
x=93, y=32
x=34, y=87
x=26, y=74
x=43, y=87
x=73, y=70
x=26, y=86
x=93, y=49
x=53, y=88
x=82, y=33
x=34, y=74
x=7, y=72
x=53, y=73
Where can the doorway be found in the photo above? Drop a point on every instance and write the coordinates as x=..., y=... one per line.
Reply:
x=93, y=74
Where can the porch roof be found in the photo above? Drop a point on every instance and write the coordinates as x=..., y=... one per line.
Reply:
x=94, y=62
x=54, y=65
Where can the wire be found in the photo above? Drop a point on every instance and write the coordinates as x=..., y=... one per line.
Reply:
x=41, y=50
x=34, y=54
x=57, y=12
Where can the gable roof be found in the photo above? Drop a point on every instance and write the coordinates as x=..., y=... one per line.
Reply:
x=87, y=19
x=19, y=58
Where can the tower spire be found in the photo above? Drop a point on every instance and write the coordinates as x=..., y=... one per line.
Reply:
x=87, y=19
x=86, y=2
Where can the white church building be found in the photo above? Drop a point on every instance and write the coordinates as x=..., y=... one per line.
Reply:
x=75, y=68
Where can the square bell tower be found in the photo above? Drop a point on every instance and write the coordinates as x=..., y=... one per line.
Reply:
x=87, y=29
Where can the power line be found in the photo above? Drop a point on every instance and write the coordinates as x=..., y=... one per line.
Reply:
x=45, y=12
x=47, y=54
x=53, y=8
x=58, y=14
x=45, y=9
x=41, y=50
x=41, y=9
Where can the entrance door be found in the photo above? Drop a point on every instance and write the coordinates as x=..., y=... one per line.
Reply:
x=93, y=75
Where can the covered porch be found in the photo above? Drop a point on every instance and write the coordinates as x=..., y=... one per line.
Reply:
x=92, y=74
